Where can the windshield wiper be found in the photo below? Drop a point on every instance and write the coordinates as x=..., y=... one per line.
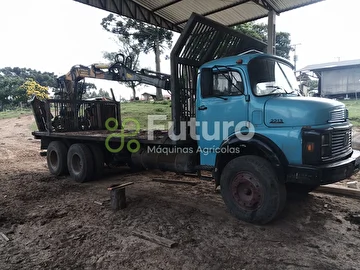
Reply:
x=226, y=76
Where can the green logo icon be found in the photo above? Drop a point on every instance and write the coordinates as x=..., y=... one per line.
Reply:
x=112, y=125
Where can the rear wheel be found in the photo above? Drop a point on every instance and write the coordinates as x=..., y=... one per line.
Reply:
x=56, y=158
x=80, y=163
x=251, y=190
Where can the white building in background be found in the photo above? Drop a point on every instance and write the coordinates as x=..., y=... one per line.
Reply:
x=337, y=79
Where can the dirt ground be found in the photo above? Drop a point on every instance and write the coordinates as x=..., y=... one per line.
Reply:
x=54, y=223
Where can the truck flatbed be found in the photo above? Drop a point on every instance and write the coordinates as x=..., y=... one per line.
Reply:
x=160, y=136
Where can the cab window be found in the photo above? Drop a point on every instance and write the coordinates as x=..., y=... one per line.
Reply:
x=223, y=83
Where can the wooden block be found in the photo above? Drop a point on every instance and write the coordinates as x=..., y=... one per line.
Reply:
x=117, y=199
x=339, y=190
x=155, y=239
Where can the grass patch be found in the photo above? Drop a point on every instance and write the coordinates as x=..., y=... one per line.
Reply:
x=14, y=113
x=33, y=126
x=354, y=111
x=140, y=111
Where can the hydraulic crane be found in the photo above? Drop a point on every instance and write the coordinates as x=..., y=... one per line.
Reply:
x=120, y=71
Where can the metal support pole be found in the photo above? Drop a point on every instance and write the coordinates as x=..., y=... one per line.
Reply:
x=271, y=32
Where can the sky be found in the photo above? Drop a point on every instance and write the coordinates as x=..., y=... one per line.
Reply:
x=54, y=35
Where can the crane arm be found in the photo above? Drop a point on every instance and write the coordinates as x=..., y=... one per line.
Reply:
x=119, y=71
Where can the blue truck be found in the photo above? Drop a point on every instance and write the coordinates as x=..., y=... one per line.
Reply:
x=237, y=113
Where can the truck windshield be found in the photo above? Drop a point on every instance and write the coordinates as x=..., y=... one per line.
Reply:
x=271, y=77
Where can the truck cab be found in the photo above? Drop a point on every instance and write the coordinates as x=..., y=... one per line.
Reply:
x=249, y=105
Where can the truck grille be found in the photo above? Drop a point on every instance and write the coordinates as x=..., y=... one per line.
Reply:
x=340, y=142
x=339, y=115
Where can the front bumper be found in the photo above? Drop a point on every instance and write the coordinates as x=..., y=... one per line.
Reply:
x=324, y=174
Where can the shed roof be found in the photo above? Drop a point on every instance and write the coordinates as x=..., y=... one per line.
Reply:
x=331, y=65
x=173, y=14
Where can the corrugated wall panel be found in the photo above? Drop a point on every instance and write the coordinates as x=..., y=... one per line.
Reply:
x=334, y=82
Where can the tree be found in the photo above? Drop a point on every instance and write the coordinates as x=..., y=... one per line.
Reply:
x=43, y=78
x=9, y=89
x=128, y=47
x=94, y=94
x=259, y=31
x=307, y=81
x=11, y=80
x=147, y=37
x=31, y=88
x=103, y=93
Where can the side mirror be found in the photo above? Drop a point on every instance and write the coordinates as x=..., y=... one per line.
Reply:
x=206, y=82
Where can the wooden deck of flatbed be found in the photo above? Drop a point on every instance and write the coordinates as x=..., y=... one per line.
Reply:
x=160, y=136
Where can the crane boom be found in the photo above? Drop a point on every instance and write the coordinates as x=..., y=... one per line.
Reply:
x=119, y=71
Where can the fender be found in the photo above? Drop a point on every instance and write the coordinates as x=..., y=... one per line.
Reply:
x=258, y=144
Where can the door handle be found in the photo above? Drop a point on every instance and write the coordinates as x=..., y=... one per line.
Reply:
x=202, y=108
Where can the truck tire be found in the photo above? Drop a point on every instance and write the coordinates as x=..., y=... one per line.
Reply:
x=251, y=190
x=56, y=158
x=299, y=191
x=80, y=163
x=98, y=160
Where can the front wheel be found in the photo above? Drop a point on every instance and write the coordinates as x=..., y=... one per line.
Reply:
x=251, y=190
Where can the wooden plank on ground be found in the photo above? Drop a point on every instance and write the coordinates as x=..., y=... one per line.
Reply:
x=168, y=181
x=155, y=239
x=3, y=236
x=339, y=190
x=117, y=186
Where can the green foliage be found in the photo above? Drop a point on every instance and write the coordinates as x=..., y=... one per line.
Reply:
x=354, y=111
x=313, y=84
x=129, y=48
x=162, y=102
x=259, y=31
x=305, y=80
x=43, y=78
x=136, y=37
x=32, y=88
x=141, y=110
x=103, y=93
x=10, y=89
x=14, y=113
x=283, y=43
x=11, y=80
x=159, y=110
x=145, y=35
x=93, y=94
x=86, y=85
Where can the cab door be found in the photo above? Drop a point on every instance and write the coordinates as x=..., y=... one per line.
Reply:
x=221, y=107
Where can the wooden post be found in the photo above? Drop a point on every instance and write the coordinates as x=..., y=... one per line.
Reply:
x=117, y=199
x=118, y=196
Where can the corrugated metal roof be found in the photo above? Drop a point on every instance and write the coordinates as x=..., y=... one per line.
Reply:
x=173, y=14
x=331, y=65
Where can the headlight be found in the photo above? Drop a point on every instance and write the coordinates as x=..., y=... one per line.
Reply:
x=311, y=141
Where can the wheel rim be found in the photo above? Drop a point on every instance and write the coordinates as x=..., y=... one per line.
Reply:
x=54, y=159
x=247, y=191
x=76, y=164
